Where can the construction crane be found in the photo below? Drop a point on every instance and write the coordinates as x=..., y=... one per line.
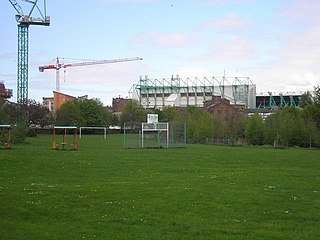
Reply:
x=58, y=65
x=24, y=21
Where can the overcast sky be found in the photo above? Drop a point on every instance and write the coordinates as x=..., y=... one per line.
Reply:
x=276, y=43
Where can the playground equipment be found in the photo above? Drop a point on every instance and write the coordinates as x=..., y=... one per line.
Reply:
x=64, y=137
x=8, y=143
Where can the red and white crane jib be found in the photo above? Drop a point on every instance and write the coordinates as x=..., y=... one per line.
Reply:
x=59, y=65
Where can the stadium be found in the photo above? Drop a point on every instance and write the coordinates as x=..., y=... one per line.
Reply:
x=181, y=92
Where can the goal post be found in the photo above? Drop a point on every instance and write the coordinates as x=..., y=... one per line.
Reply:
x=94, y=128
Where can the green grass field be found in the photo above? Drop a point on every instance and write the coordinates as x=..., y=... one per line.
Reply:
x=103, y=191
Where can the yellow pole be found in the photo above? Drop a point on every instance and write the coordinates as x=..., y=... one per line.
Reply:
x=54, y=139
x=9, y=137
x=75, y=139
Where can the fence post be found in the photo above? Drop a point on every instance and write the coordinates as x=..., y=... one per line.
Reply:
x=124, y=135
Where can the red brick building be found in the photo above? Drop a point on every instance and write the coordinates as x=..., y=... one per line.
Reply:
x=118, y=104
x=55, y=102
x=5, y=93
x=219, y=107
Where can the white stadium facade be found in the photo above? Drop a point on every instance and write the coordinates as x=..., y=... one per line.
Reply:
x=179, y=92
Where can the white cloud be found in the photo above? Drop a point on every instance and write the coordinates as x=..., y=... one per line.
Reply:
x=233, y=49
x=230, y=21
x=129, y=1
x=306, y=11
x=294, y=66
x=174, y=39
x=228, y=2
x=193, y=72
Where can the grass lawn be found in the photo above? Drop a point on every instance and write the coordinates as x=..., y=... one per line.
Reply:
x=103, y=191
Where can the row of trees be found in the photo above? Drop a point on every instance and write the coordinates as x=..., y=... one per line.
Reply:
x=84, y=112
x=80, y=112
x=288, y=126
x=21, y=117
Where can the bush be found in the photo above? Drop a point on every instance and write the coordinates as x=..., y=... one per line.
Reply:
x=254, y=130
x=19, y=133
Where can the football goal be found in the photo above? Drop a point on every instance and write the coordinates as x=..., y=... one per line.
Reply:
x=154, y=135
x=93, y=131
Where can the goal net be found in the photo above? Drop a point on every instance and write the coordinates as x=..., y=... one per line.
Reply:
x=154, y=135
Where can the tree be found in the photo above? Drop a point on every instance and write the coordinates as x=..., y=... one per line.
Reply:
x=169, y=114
x=38, y=114
x=69, y=114
x=93, y=113
x=4, y=118
x=16, y=113
x=306, y=99
x=286, y=127
x=199, y=123
x=132, y=111
x=316, y=97
x=114, y=120
x=311, y=117
x=254, y=130
x=83, y=112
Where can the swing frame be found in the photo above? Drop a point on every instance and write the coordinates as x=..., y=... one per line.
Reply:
x=64, y=143
x=8, y=144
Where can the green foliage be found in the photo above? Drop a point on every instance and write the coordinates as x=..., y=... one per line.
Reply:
x=306, y=99
x=316, y=97
x=93, y=113
x=32, y=113
x=311, y=116
x=3, y=136
x=218, y=129
x=38, y=114
x=16, y=113
x=229, y=126
x=169, y=114
x=133, y=112
x=83, y=112
x=4, y=118
x=19, y=132
x=199, y=123
x=115, y=121
x=286, y=127
x=69, y=114
x=254, y=130
x=21, y=117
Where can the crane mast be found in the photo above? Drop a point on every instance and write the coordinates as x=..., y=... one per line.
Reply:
x=23, y=22
x=58, y=65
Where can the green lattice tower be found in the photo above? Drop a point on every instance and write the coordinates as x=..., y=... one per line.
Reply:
x=24, y=21
x=22, y=73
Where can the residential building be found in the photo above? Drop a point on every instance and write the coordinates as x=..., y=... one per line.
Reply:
x=5, y=93
x=55, y=102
